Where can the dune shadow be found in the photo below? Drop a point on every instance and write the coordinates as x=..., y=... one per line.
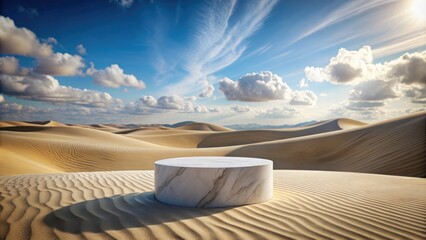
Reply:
x=120, y=212
x=23, y=128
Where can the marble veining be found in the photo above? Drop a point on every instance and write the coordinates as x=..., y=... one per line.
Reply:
x=213, y=181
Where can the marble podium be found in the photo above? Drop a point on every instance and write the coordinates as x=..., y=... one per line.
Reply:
x=213, y=181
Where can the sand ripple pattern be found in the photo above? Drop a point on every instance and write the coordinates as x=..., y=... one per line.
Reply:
x=121, y=205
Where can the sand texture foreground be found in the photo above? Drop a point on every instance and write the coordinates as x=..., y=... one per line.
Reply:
x=306, y=205
x=393, y=147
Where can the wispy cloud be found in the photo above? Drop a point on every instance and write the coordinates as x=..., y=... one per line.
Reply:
x=387, y=25
x=346, y=11
x=31, y=12
x=223, y=28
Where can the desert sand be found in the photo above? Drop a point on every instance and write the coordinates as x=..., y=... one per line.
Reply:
x=393, y=147
x=344, y=179
x=121, y=205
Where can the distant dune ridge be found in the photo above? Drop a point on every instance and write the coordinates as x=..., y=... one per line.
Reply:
x=395, y=147
x=76, y=182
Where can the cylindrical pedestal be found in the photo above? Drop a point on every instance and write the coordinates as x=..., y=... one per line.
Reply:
x=213, y=181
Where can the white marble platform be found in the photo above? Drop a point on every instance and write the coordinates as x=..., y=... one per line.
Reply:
x=213, y=181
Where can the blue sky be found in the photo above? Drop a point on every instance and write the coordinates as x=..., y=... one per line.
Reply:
x=225, y=62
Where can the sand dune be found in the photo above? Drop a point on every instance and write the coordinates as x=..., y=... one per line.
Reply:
x=204, y=127
x=255, y=136
x=89, y=204
x=395, y=147
x=121, y=205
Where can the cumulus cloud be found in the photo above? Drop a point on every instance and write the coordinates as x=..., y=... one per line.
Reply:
x=123, y=3
x=46, y=88
x=240, y=108
x=9, y=65
x=409, y=68
x=138, y=108
x=375, y=90
x=303, y=83
x=214, y=109
x=11, y=107
x=201, y=109
x=1, y=98
x=417, y=94
x=172, y=102
x=114, y=77
x=204, y=109
x=21, y=41
x=10, y=111
x=81, y=49
x=149, y=101
x=263, y=86
x=303, y=98
x=207, y=92
x=60, y=64
x=403, y=76
x=357, y=66
x=278, y=112
x=346, y=67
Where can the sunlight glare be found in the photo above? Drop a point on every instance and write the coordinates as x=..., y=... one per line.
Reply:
x=418, y=9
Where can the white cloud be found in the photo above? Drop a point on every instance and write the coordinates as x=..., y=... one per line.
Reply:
x=46, y=88
x=359, y=112
x=148, y=105
x=220, y=38
x=60, y=64
x=409, y=68
x=417, y=94
x=123, y=3
x=303, y=83
x=357, y=66
x=81, y=49
x=375, y=90
x=344, y=12
x=201, y=109
x=263, y=86
x=215, y=109
x=52, y=40
x=9, y=65
x=149, y=101
x=114, y=77
x=10, y=107
x=21, y=41
x=278, y=112
x=1, y=98
x=240, y=108
x=18, y=111
x=403, y=76
x=207, y=92
x=174, y=102
x=346, y=67
x=362, y=105
x=138, y=108
x=303, y=98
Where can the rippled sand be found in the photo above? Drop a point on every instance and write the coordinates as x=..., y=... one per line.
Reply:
x=121, y=204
